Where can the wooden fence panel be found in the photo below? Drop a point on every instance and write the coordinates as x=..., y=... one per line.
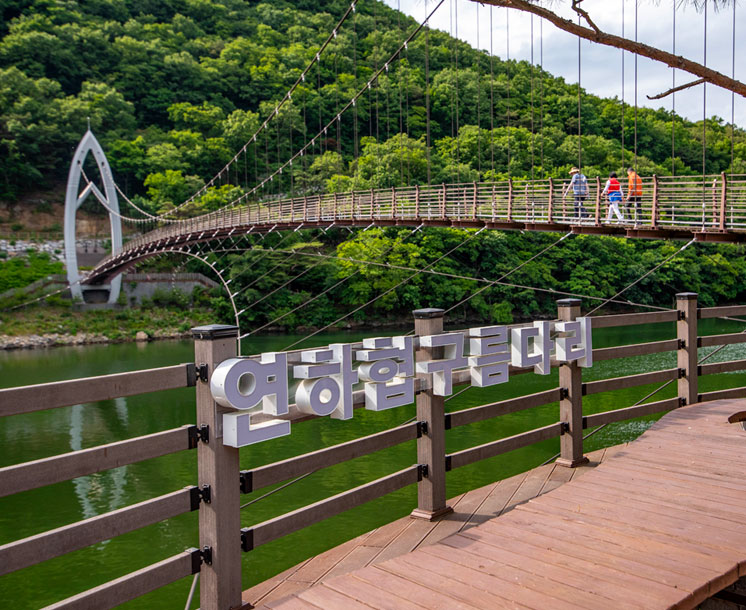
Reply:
x=495, y=409
x=43, y=396
x=629, y=319
x=288, y=523
x=718, y=312
x=637, y=349
x=53, y=543
x=721, y=367
x=286, y=469
x=608, y=417
x=488, y=450
x=131, y=586
x=38, y=473
x=630, y=381
x=728, y=339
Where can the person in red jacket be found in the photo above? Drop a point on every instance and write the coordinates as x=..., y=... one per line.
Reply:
x=614, y=195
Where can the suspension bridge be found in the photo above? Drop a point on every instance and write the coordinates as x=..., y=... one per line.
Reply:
x=656, y=526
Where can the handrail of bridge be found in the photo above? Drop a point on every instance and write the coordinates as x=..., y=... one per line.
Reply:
x=711, y=206
x=218, y=502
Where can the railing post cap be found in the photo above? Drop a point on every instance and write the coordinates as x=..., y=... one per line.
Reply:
x=569, y=303
x=686, y=296
x=210, y=332
x=428, y=313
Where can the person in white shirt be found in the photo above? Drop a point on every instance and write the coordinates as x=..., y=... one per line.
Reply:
x=614, y=195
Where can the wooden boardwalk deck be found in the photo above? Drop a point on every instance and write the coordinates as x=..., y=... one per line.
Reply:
x=656, y=526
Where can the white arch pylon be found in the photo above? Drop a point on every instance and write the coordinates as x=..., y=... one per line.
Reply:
x=74, y=198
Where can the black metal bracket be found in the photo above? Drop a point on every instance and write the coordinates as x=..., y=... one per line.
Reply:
x=247, y=539
x=246, y=478
x=682, y=372
x=202, y=371
x=564, y=393
x=448, y=463
x=682, y=315
x=197, y=434
x=585, y=422
x=421, y=471
x=191, y=373
x=682, y=344
x=564, y=427
x=422, y=428
x=199, y=494
x=682, y=401
x=200, y=556
x=447, y=421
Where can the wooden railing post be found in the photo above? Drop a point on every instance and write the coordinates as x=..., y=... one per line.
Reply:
x=474, y=203
x=510, y=200
x=417, y=201
x=431, y=446
x=656, y=204
x=686, y=333
x=598, y=201
x=571, y=401
x=217, y=466
x=550, y=205
x=723, y=200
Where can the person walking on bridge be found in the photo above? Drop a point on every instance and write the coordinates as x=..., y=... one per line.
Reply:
x=579, y=186
x=614, y=195
x=634, y=194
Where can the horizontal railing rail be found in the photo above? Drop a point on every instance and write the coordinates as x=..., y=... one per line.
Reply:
x=135, y=584
x=53, y=543
x=39, y=473
x=267, y=531
x=277, y=472
x=217, y=495
x=43, y=396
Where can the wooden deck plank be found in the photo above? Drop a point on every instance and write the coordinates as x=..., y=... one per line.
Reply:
x=566, y=584
x=530, y=487
x=621, y=524
x=647, y=583
x=463, y=512
x=321, y=564
x=281, y=592
x=480, y=598
x=665, y=494
x=329, y=599
x=647, y=508
x=634, y=588
x=645, y=520
x=495, y=503
x=371, y=595
x=410, y=590
x=543, y=562
x=288, y=603
x=712, y=575
x=383, y=536
x=407, y=541
x=358, y=558
x=455, y=564
x=558, y=476
x=255, y=594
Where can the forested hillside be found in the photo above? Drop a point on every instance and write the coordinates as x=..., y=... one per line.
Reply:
x=173, y=88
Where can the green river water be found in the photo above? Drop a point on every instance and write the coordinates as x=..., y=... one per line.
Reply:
x=45, y=433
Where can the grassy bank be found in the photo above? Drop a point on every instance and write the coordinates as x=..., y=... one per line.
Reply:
x=120, y=325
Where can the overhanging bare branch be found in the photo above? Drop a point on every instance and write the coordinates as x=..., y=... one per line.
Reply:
x=694, y=83
x=611, y=40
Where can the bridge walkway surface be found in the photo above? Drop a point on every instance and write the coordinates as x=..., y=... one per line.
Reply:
x=657, y=523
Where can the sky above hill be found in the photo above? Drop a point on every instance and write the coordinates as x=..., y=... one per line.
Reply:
x=601, y=67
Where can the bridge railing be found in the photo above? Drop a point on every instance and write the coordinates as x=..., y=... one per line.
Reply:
x=713, y=203
x=219, y=480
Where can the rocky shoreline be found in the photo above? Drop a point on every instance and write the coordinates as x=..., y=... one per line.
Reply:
x=8, y=342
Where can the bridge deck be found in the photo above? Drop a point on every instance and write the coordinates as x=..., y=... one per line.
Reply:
x=657, y=525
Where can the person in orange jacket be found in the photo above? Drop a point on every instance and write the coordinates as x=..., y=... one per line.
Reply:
x=634, y=194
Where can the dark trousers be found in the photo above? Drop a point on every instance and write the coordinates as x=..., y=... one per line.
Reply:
x=579, y=210
x=637, y=201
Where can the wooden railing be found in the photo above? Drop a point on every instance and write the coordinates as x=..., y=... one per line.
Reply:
x=220, y=482
x=713, y=205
